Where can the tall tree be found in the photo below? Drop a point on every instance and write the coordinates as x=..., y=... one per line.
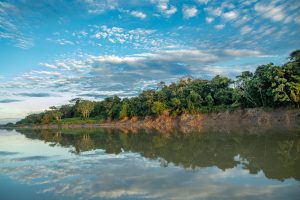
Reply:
x=56, y=113
x=158, y=108
x=85, y=108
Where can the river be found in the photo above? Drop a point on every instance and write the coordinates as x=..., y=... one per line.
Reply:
x=89, y=164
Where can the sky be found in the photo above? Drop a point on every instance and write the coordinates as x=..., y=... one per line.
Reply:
x=56, y=50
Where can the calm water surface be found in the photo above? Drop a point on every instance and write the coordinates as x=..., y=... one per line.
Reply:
x=114, y=164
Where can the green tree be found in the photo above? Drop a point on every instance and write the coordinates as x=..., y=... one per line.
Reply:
x=176, y=106
x=295, y=56
x=279, y=90
x=221, y=91
x=244, y=90
x=85, y=108
x=209, y=100
x=67, y=111
x=46, y=117
x=295, y=94
x=56, y=113
x=194, y=101
x=124, y=111
x=158, y=107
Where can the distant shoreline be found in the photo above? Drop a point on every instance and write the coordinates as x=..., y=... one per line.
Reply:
x=285, y=119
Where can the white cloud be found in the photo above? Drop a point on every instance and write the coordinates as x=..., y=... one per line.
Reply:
x=48, y=65
x=242, y=20
x=209, y=20
x=11, y=28
x=98, y=7
x=231, y=15
x=242, y=52
x=248, y=2
x=214, y=11
x=113, y=73
x=45, y=73
x=245, y=29
x=219, y=26
x=112, y=40
x=138, y=38
x=182, y=55
x=189, y=11
x=17, y=110
x=270, y=11
x=230, y=71
x=164, y=7
x=203, y=1
x=170, y=11
x=138, y=14
x=161, y=62
x=64, y=42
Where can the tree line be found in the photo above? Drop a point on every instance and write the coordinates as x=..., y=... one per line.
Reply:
x=269, y=86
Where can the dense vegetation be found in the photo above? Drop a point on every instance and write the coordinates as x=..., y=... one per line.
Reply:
x=269, y=86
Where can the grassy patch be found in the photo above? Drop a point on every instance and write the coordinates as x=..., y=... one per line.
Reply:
x=68, y=121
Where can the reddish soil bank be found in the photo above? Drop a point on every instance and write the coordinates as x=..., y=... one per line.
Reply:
x=283, y=119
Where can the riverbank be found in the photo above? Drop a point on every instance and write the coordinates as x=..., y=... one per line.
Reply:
x=284, y=119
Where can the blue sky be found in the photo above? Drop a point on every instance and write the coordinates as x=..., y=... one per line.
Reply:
x=55, y=50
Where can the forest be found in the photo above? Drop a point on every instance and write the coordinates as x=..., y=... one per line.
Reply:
x=269, y=86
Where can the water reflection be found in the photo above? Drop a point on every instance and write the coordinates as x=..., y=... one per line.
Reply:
x=277, y=155
x=114, y=164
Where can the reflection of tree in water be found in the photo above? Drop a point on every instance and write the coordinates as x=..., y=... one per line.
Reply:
x=277, y=155
x=47, y=136
x=289, y=152
x=54, y=138
x=57, y=137
x=84, y=144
